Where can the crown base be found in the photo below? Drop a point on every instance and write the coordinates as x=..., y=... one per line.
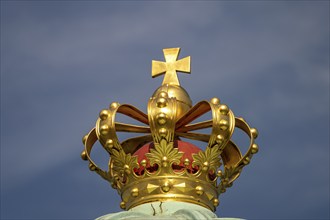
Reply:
x=170, y=188
x=165, y=210
x=168, y=208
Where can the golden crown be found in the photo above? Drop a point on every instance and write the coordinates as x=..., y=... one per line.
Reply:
x=160, y=166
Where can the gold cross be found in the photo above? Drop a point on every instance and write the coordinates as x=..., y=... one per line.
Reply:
x=170, y=66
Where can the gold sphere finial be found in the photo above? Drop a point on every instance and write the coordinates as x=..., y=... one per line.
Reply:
x=84, y=155
x=171, y=87
x=173, y=91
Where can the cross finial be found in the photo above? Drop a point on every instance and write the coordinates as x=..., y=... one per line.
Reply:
x=170, y=66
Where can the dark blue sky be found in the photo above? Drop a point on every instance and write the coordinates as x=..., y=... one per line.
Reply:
x=64, y=61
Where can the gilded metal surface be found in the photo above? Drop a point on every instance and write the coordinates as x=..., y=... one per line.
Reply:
x=183, y=101
x=165, y=174
x=170, y=66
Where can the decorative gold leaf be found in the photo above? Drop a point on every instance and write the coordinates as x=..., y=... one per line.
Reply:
x=211, y=157
x=164, y=150
x=123, y=161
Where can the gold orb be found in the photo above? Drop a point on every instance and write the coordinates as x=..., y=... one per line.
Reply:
x=205, y=166
x=215, y=202
x=219, y=139
x=224, y=109
x=199, y=190
x=143, y=162
x=135, y=192
x=123, y=205
x=246, y=161
x=104, y=114
x=84, y=155
x=161, y=118
x=255, y=148
x=164, y=161
x=215, y=101
x=224, y=124
x=127, y=169
x=161, y=102
x=109, y=143
x=114, y=105
x=186, y=162
x=166, y=186
x=163, y=94
x=92, y=167
x=254, y=133
x=104, y=129
x=162, y=131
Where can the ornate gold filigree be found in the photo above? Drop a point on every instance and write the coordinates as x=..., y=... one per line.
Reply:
x=170, y=114
x=208, y=160
x=164, y=154
x=123, y=163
